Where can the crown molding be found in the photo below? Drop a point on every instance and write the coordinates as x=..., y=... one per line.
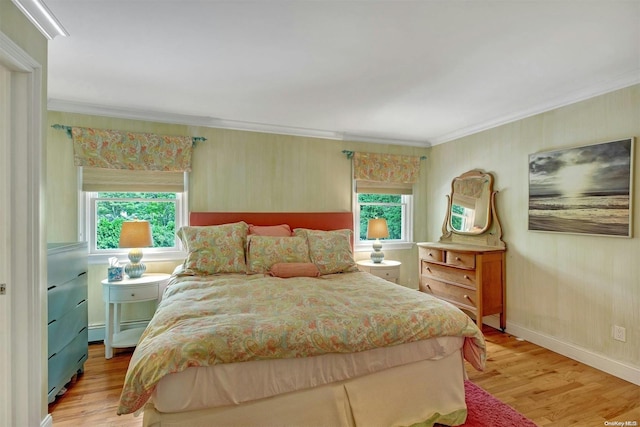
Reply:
x=391, y=141
x=183, y=119
x=276, y=129
x=211, y=122
x=620, y=82
x=623, y=80
x=23, y=62
x=40, y=16
x=125, y=113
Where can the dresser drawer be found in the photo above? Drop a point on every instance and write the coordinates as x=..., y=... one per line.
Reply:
x=460, y=259
x=453, y=293
x=391, y=273
x=430, y=254
x=133, y=293
x=62, y=298
x=65, y=262
x=65, y=329
x=67, y=362
x=449, y=274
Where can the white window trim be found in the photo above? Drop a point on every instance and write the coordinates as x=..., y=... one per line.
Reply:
x=366, y=245
x=85, y=212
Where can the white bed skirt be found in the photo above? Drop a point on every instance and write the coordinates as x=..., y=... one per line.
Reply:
x=423, y=393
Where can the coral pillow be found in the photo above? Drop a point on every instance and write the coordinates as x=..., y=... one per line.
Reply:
x=282, y=230
x=294, y=269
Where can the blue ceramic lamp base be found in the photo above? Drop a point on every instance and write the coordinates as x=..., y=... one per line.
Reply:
x=377, y=256
x=135, y=268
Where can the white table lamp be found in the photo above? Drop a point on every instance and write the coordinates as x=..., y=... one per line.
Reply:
x=135, y=235
x=377, y=229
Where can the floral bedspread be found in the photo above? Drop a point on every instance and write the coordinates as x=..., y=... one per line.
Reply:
x=203, y=321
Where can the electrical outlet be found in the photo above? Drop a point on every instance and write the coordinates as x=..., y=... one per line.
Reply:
x=619, y=333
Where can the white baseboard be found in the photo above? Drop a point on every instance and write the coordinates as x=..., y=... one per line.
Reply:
x=96, y=332
x=47, y=421
x=603, y=363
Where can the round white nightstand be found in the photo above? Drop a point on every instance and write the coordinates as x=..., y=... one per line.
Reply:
x=387, y=269
x=145, y=288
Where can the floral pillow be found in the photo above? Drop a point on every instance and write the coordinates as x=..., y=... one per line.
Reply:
x=265, y=251
x=330, y=251
x=214, y=249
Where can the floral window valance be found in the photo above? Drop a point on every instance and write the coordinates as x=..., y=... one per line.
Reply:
x=384, y=173
x=115, y=149
x=391, y=168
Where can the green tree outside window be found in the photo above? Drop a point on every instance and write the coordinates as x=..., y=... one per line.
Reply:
x=112, y=209
x=387, y=206
x=457, y=214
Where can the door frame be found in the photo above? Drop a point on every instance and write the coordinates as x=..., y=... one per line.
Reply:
x=24, y=360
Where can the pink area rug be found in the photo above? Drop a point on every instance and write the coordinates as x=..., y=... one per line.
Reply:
x=484, y=410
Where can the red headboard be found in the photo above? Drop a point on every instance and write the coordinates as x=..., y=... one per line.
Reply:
x=312, y=220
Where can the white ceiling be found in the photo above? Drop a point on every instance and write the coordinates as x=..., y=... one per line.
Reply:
x=409, y=72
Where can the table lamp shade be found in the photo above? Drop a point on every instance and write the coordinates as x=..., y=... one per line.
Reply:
x=135, y=235
x=377, y=229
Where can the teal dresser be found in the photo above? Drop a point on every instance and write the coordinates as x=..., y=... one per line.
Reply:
x=68, y=347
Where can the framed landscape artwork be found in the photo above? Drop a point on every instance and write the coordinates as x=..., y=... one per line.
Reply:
x=583, y=190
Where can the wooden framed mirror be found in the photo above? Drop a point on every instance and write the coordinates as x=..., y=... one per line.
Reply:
x=470, y=203
x=471, y=215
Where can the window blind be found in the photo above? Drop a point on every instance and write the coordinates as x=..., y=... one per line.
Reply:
x=370, y=187
x=99, y=179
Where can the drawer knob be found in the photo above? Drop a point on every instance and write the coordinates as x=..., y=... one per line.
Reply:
x=467, y=297
x=466, y=277
x=133, y=295
x=457, y=258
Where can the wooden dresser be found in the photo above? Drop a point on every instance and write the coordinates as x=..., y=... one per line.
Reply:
x=467, y=265
x=470, y=277
x=68, y=344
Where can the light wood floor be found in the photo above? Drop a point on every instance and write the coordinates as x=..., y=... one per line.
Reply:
x=550, y=389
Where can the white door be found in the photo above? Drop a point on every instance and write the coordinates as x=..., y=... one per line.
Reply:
x=5, y=315
x=22, y=247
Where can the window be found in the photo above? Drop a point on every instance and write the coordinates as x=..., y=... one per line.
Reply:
x=106, y=211
x=460, y=217
x=395, y=208
x=125, y=175
x=383, y=187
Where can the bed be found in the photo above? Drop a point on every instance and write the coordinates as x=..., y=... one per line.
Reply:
x=268, y=322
